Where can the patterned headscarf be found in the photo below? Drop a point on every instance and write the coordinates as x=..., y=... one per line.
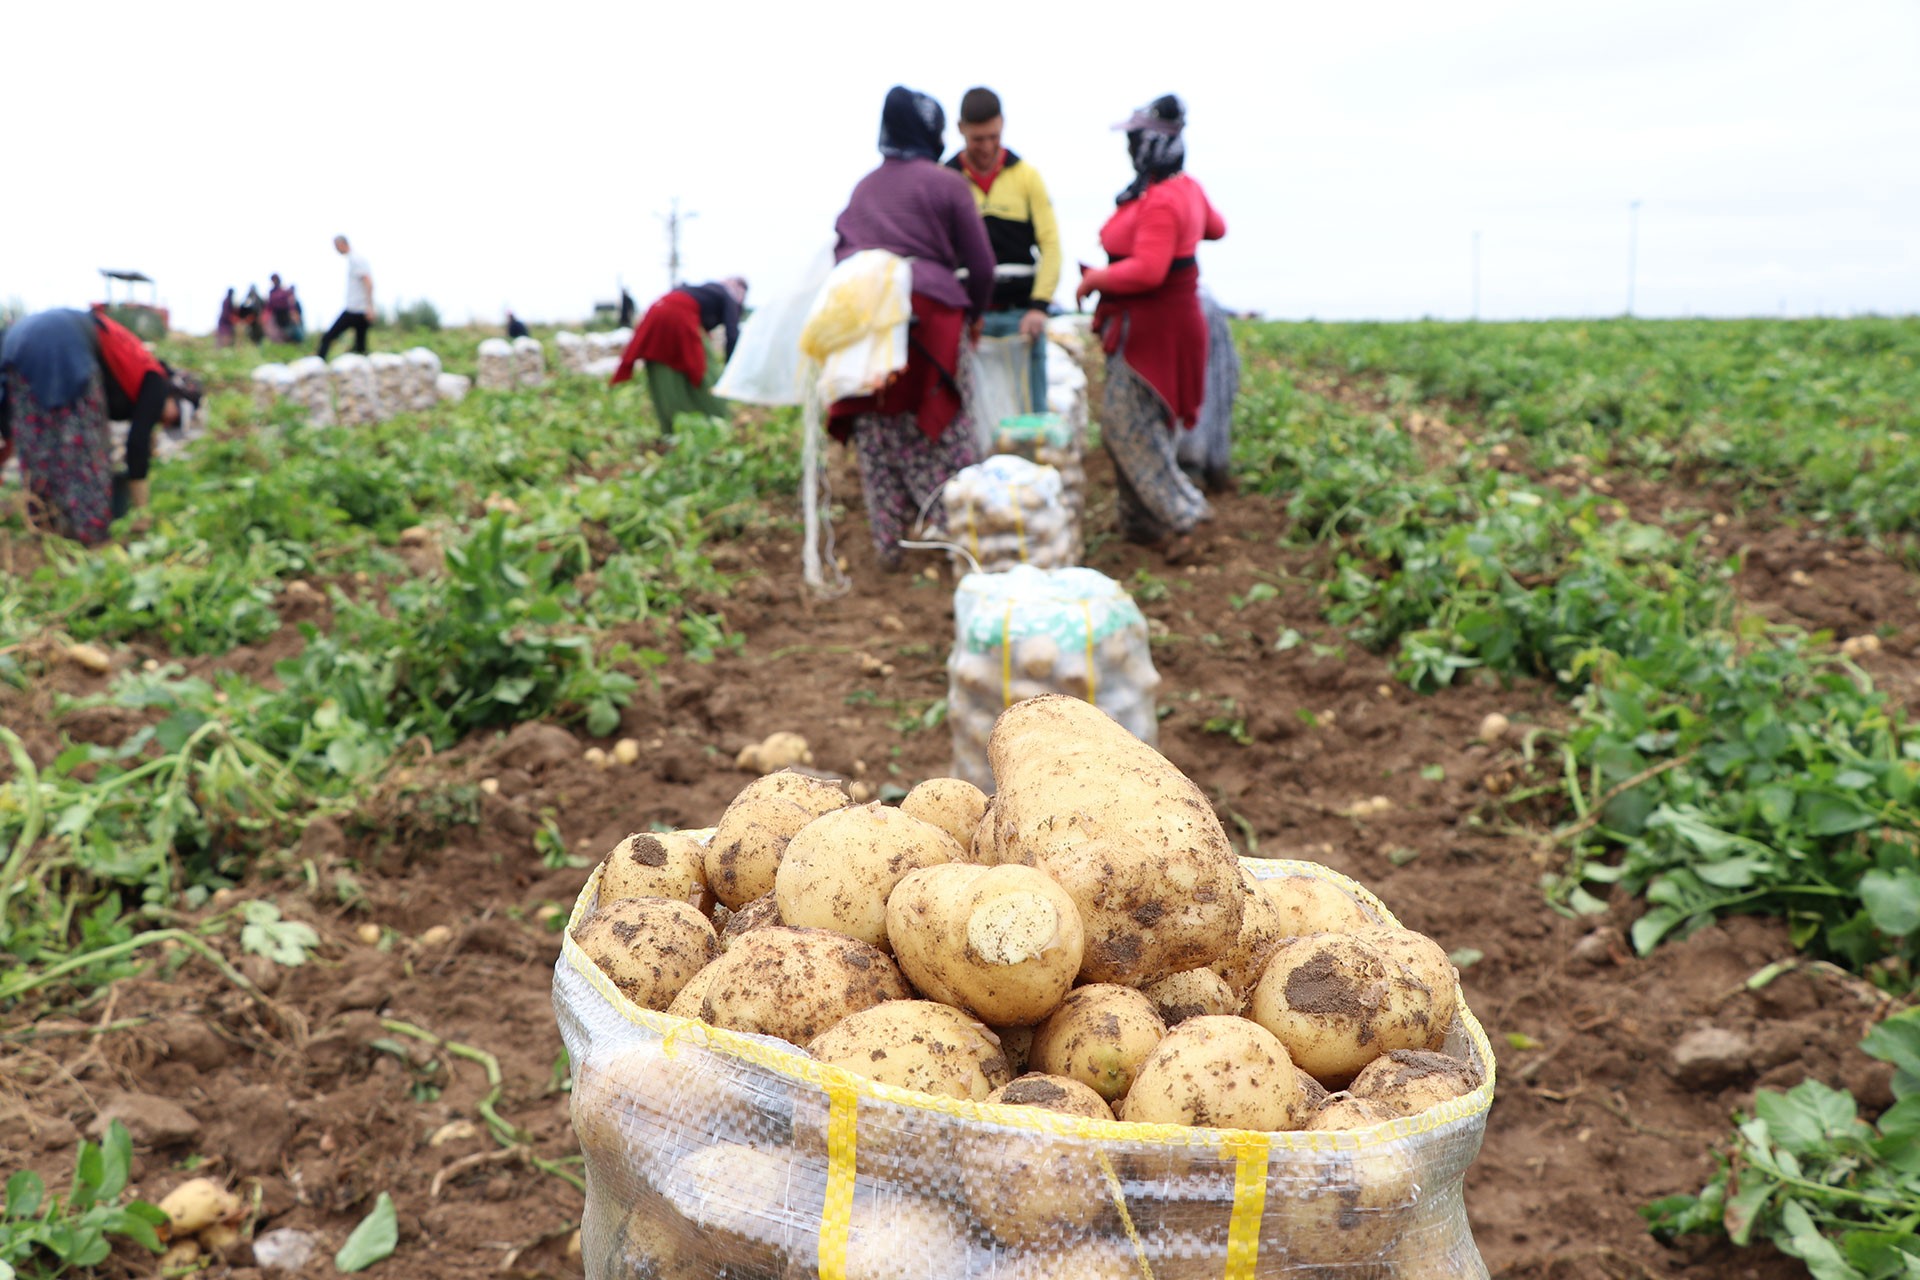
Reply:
x=1154, y=141
x=911, y=125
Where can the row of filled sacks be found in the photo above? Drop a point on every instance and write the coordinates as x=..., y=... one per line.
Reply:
x=505, y=365
x=588, y=353
x=355, y=390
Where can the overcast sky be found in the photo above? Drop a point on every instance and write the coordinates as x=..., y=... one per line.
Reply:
x=487, y=156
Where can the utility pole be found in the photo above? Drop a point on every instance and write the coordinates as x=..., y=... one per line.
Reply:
x=1633, y=249
x=675, y=221
x=1476, y=275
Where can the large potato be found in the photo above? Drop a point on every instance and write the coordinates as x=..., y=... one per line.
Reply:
x=650, y=947
x=641, y=1108
x=1003, y=943
x=751, y=1208
x=839, y=871
x=1308, y=904
x=1053, y=1093
x=1260, y=933
x=1344, y=1111
x=952, y=804
x=894, y=1236
x=917, y=1044
x=1338, y=1001
x=795, y=983
x=752, y=834
x=666, y=864
x=1127, y=835
x=1031, y=1187
x=1215, y=1073
x=1099, y=1036
x=693, y=996
x=1427, y=962
x=1408, y=1081
x=1340, y=1209
x=758, y=914
x=1193, y=994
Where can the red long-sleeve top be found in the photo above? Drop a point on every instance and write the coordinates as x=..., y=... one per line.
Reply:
x=1145, y=236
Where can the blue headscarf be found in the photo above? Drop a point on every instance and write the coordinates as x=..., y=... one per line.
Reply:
x=911, y=125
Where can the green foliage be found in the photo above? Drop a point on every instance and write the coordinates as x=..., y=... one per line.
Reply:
x=419, y=316
x=374, y=1239
x=43, y=1236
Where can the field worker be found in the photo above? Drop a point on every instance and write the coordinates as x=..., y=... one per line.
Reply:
x=227, y=328
x=516, y=327
x=672, y=339
x=63, y=376
x=915, y=433
x=1152, y=329
x=358, y=313
x=1206, y=452
x=1020, y=225
x=284, y=321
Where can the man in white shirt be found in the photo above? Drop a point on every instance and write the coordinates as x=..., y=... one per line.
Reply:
x=358, y=313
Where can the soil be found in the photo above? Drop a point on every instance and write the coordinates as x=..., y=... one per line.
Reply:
x=317, y=1096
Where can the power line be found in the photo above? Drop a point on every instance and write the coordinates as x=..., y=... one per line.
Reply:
x=674, y=222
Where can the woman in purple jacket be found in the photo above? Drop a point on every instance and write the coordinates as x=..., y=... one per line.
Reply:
x=915, y=432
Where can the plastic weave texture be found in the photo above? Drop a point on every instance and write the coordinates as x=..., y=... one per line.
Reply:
x=1051, y=441
x=529, y=362
x=1030, y=631
x=1008, y=511
x=497, y=365
x=356, y=396
x=715, y=1154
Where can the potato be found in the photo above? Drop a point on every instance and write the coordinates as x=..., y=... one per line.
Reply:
x=753, y=832
x=1053, y=1093
x=1338, y=1001
x=654, y=1243
x=219, y=1237
x=692, y=997
x=641, y=1107
x=1308, y=904
x=917, y=1044
x=179, y=1255
x=838, y=872
x=650, y=947
x=1408, y=1081
x=1215, y=1073
x=762, y=912
x=1127, y=835
x=952, y=804
x=1094, y=1258
x=1017, y=1044
x=891, y=1237
x=196, y=1204
x=670, y=864
x=983, y=848
x=1312, y=1094
x=1002, y=943
x=1099, y=1036
x=749, y=1207
x=1344, y=1111
x=1260, y=932
x=1428, y=963
x=795, y=983
x=1192, y=994
x=1339, y=1209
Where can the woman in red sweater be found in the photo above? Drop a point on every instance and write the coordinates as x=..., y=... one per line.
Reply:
x=1153, y=330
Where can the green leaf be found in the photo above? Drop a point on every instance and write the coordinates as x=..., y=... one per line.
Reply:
x=1804, y=1118
x=1832, y=815
x=1800, y=1238
x=1433, y=772
x=1466, y=957
x=372, y=1240
x=1743, y=1209
x=1892, y=899
x=116, y=1162
x=25, y=1191
x=1653, y=926
x=1896, y=1040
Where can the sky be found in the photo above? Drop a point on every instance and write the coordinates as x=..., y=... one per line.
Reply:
x=489, y=157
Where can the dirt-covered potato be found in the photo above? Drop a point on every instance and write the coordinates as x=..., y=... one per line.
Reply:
x=983, y=847
x=1344, y=1111
x=761, y=913
x=839, y=871
x=623, y=1102
x=1338, y=1001
x=1017, y=1044
x=795, y=983
x=1312, y=1094
x=692, y=997
x=1003, y=943
x=917, y=1044
x=1408, y=1081
x=1053, y=1093
x=752, y=834
x=748, y=1206
x=1193, y=994
x=1099, y=1036
x=952, y=804
x=650, y=947
x=1340, y=1209
x=665, y=864
x=198, y=1203
x=1032, y=1187
x=1429, y=963
x=1216, y=1073
x=893, y=1236
x=1260, y=933
x=1129, y=837
x=1308, y=904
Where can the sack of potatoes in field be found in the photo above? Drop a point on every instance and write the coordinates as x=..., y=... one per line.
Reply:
x=529, y=362
x=452, y=388
x=1061, y=1033
x=1029, y=631
x=312, y=389
x=497, y=365
x=271, y=382
x=1049, y=440
x=1008, y=511
x=390, y=382
x=356, y=397
x=422, y=379
x=608, y=342
x=571, y=350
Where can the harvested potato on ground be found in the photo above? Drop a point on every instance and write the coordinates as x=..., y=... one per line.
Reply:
x=753, y=832
x=667, y=864
x=839, y=871
x=952, y=804
x=1193, y=994
x=776, y=751
x=1099, y=1036
x=1129, y=837
x=1053, y=1093
x=1428, y=962
x=650, y=947
x=917, y=1044
x=1339, y=1209
x=1003, y=943
x=737, y=1198
x=1260, y=932
x=1017, y=1044
x=1215, y=1073
x=1338, y=1001
x=1344, y=1111
x=196, y=1204
x=1308, y=904
x=1408, y=1081
x=795, y=983
x=763, y=912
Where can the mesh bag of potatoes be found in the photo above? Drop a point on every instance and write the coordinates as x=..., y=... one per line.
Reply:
x=390, y=381
x=452, y=387
x=608, y=342
x=496, y=365
x=529, y=362
x=1008, y=511
x=270, y=383
x=1062, y=1035
x=356, y=397
x=422, y=381
x=1049, y=440
x=312, y=389
x=571, y=350
x=1030, y=631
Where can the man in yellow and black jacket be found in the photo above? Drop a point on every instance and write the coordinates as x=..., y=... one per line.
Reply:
x=1026, y=240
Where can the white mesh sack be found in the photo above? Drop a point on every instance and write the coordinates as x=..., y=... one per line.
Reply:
x=1008, y=511
x=312, y=389
x=1002, y=385
x=1067, y=389
x=602, y=367
x=356, y=398
x=423, y=376
x=608, y=343
x=390, y=382
x=529, y=362
x=451, y=387
x=711, y=1153
x=270, y=383
x=1029, y=631
x=570, y=349
x=496, y=365
x=1049, y=440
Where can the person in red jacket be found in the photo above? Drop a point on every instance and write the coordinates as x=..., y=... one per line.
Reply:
x=1153, y=330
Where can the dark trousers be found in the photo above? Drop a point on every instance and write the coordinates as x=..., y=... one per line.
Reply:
x=354, y=320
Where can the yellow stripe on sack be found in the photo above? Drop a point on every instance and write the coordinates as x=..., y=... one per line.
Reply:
x=1006, y=657
x=1119, y=1195
x=836, y=1216
x=1093, y=677
x=1019, y=522
x=973, y=534
x=1249, y=1204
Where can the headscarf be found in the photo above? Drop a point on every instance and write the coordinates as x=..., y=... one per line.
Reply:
x=911, y=125
x=736, y=288
x=1154, y=141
